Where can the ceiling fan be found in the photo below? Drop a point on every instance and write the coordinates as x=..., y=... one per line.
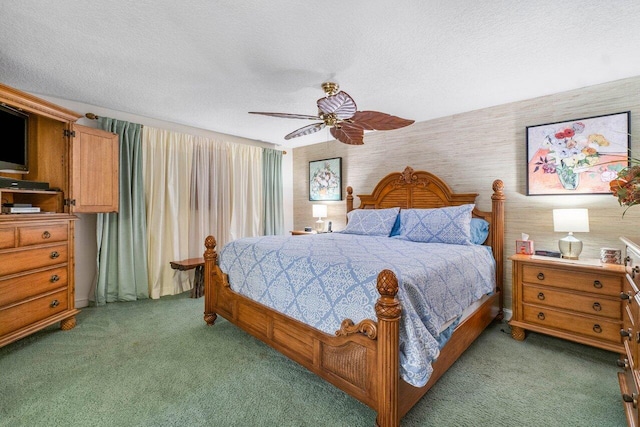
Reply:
x=338, y=111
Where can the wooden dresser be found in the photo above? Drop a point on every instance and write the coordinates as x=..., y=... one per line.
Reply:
x=36, y=277
x=80, y=166
x=629, y=378
x=577, y=300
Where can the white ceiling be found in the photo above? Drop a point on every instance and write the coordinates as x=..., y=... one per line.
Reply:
x=207, y=63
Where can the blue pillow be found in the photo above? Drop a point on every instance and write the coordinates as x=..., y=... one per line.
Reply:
x=479, y=230
x=396, y=227
x=450, y=224
x=371, y=222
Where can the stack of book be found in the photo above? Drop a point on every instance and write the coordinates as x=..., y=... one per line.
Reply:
x=554, y=254
x=13, y=208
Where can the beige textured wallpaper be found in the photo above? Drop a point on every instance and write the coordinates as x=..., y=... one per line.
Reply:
x=472, y=149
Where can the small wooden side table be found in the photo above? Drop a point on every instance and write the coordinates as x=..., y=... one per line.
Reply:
x=301, y=232
x=576, y=300
x=187, y=264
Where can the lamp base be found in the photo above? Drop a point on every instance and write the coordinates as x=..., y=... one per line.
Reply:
x=320, y=226
x=570, y=247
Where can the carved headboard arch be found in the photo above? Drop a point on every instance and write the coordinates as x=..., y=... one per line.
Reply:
x=411, y=189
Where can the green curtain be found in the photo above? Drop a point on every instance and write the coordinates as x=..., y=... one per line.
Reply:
x=122, y=237
x=272, y=189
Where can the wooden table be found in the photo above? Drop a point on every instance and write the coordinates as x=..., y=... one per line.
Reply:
x=187, y=264
x=301, y=232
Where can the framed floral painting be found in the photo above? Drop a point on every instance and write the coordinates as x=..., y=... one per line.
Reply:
x=578, y=156
x=325, y=179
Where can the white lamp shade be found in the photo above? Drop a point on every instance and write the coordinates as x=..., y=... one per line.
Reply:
x=319, y=211
x=571, y=220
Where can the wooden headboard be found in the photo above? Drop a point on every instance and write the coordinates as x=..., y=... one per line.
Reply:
x=420, y=189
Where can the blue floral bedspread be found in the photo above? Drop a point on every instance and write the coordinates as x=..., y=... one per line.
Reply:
x=323, y=279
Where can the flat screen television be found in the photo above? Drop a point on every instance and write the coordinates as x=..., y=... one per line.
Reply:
x=14, y=140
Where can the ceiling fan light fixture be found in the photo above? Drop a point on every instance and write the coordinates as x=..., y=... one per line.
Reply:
x=330, y=88
x=338, y=111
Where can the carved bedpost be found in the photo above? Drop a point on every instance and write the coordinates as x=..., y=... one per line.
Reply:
x=388, y=311
x=210, y=257
x=349, y=199
x=497, y=224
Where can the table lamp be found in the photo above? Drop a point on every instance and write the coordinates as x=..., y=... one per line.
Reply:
x=570, y=220
x=319, y=211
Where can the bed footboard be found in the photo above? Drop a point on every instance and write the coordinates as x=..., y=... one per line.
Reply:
x=361, y=359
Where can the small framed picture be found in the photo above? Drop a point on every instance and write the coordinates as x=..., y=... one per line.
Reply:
x=579, y=156
x=325, y=179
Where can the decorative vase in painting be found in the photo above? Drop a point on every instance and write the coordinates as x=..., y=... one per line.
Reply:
x=568, y=178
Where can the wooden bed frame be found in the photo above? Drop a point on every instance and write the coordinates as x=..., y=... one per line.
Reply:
x=363, y=359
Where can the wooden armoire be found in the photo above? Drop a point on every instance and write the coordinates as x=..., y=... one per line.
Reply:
x=80, y=166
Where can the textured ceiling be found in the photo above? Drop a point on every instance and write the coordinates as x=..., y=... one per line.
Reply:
x=207, y=63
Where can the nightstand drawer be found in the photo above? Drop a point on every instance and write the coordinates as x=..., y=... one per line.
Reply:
x=571, y=279
x=21, y=315
x=583, y=325
x=593, y=305
x=30, y=285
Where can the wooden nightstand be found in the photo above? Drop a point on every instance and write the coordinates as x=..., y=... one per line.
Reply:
x=301, y=232
x=577, y=300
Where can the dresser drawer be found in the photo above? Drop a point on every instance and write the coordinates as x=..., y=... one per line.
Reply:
x=20, y=315
x=37, y=235
x=632, y=266
x=7, y=238
x=30, y=259
x=566, y=321
x=571, y=279
x=629, y=325
x=30, y=285
x=588, y=304
x=629, y=387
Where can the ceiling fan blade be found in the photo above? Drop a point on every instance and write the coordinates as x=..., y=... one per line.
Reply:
x=287, y=115
x=305, y=130
x=348, y=133
x=374, y=120
x=340, y=104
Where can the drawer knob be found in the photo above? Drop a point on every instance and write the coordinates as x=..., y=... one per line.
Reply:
x=54, y=278
x=54, y=303
x=624, y=295
x=46, y=235
x=597, y=328
x=541, y=316
x=597, y=306
x=597, y=284
x=633, y=398
x=54, y=255
x=625, y=332
x=623, y=363
x=540, y=276
x=541, y=296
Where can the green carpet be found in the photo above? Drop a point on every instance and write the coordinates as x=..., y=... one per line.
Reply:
x=156, y=363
